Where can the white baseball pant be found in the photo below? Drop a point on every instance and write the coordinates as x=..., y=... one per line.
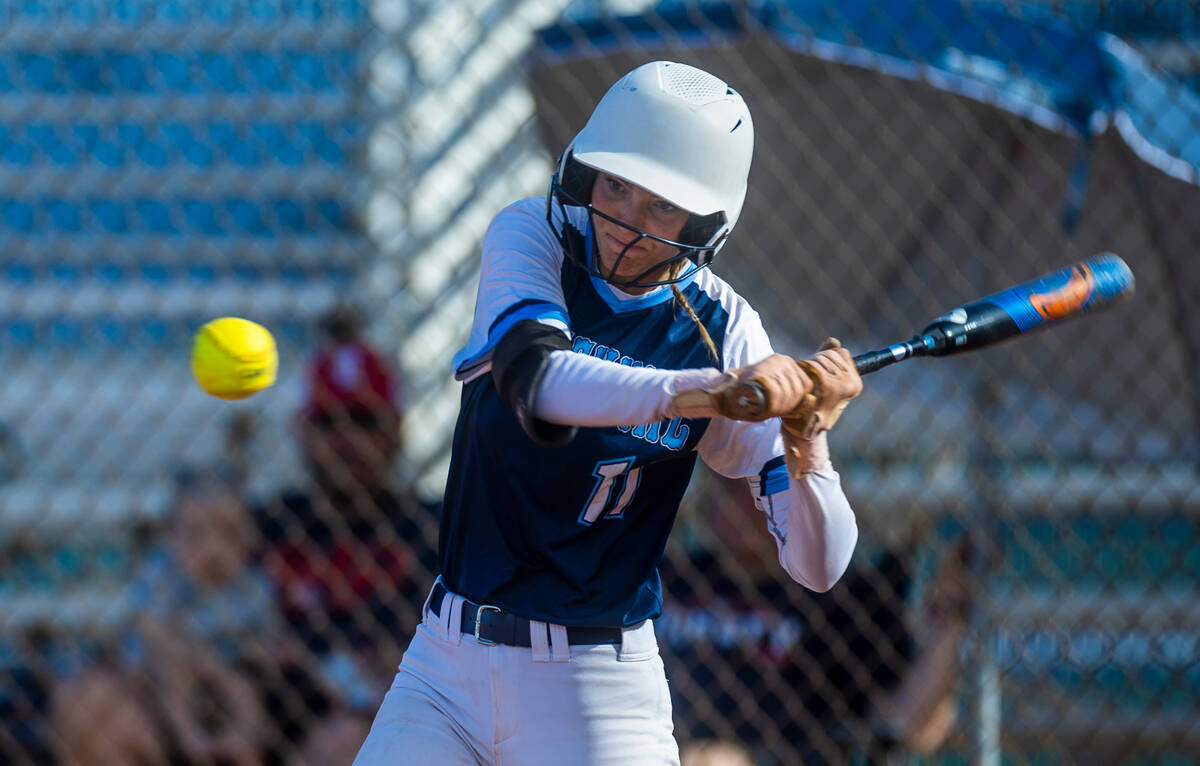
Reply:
x=457, y=701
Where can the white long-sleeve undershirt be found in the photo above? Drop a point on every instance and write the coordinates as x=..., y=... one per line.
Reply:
x=813, y=525
x=811, y=520
x=581, y=390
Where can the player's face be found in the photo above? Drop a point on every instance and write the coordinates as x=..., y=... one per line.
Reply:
x=641, y=210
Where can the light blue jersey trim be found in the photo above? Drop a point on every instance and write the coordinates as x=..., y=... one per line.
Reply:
x=533, y=311
x=539, y=310
x=652, y=298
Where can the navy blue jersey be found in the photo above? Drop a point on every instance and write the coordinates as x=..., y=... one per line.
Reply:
x=573, y=534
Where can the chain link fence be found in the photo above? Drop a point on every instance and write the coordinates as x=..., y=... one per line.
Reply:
x=187, y=580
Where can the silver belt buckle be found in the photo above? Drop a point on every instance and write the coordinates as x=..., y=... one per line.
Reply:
x=478, y=613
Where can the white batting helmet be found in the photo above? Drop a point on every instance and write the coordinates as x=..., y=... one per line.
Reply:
x=676, y=131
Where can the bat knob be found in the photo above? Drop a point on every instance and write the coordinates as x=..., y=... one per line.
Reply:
x=746, y=401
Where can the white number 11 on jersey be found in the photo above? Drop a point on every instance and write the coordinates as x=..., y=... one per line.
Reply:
x=615, y=487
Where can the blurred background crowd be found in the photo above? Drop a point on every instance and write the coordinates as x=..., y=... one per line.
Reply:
x=190, y=581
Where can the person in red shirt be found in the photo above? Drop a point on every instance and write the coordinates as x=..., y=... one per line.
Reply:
x=350, y=421
x=351, y=553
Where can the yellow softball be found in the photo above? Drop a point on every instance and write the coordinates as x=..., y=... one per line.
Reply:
x=233, y=358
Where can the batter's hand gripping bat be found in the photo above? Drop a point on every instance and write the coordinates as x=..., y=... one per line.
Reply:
x=1095, y=283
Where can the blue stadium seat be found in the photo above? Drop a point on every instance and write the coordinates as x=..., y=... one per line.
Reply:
x=18, y=215
x=201, y=272
x=247, y=217
x=309, y=68
x=1110, y=562
x=277, y=143
x=143, y=146
x=83, y=11
x=221, y=71
x=296, y=275
x=231, y=144
x=317, y=141
x=98, y=147
x=40, y=71
x=110, y=273
x=64, y=272
x=155, y=330
x=65, y=216
x=154, y=216
x=66, y=332
x=333, y=214
x=14, y=151
x=18, y=272
x=247, y=272
x=1066, y=676
x=64, y=563
x=290, y=215
x=113, y=332
x=155, y=273
x=175, y=71
x=85, y=72
x=45, y=137
x=180, y=136
x=266, y=71
x=1191, y=562
x=20, y=332
x=201, y=217
x=110, y=215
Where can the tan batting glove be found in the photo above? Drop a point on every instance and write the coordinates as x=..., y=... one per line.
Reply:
x=695, y=393
x=835, y=383
x=785, y=383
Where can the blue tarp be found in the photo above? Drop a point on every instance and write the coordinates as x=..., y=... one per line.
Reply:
x=1060, y=70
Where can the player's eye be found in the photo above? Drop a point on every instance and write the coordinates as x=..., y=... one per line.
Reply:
x=614, y=185
x=664, y=207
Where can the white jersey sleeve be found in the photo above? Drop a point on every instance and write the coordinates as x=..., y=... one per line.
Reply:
x=519, y=278
x=811, y=520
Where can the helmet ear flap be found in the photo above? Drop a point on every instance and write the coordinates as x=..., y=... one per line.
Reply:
x=575, y=182
x=700, y=229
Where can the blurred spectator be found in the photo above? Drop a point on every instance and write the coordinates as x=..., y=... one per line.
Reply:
x=12, y=457
x=350, y=420
x=105, y=715
x=26, y=678
x=834, y=673
x=714, y=752
x=352, y=553
x=208, y=674
x=234, y=467
x=920, y=711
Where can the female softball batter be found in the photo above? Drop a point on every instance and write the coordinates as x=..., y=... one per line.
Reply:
x=595, y=326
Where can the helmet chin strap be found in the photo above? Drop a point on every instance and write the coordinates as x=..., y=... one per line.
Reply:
x=612, y=273
x=611, y=277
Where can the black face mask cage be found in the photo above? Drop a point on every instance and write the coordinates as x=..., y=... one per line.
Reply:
x=575, y=189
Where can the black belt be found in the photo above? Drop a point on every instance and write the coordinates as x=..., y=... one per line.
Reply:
x=493, y=625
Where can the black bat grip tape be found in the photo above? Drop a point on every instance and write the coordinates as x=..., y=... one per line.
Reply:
x=873, y=360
